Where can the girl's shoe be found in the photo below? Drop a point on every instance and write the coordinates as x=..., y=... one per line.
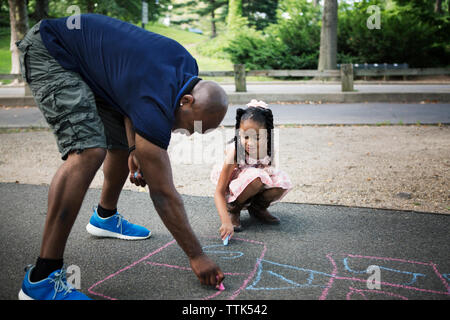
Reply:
x=258, y=209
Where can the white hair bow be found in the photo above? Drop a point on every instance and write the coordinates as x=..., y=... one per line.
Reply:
x=256, y=103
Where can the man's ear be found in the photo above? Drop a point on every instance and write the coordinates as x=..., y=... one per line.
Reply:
x=187, y=100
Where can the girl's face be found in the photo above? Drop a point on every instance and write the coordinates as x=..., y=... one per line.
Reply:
x=253, y=137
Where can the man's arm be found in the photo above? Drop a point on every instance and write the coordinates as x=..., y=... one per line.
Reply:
x=155, y=163
x=133, y=164
x=130, y=132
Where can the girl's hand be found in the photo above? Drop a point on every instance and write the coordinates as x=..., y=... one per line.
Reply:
x=226, y=229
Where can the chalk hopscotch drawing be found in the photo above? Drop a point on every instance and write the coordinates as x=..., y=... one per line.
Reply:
x=396, y=275
x=252, y=252
x=345, y=279
x=395, y=271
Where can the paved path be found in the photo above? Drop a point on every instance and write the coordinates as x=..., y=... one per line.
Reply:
x=336, y=88
x=317, y=252
x=299, y=88
x=292, y=92
x=354, y=113
x=349, y=113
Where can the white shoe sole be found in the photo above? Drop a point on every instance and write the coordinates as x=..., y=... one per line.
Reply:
x=23, y=296
x=109, y=234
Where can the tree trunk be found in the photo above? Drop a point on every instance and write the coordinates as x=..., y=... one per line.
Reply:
x=438, y=6
x=41, y=10
x=213, y=22
x=328, y=36
x=18, y=17
x=90, y=6
x=234, y=13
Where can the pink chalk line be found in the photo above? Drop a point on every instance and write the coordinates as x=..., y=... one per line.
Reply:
x=383, y=258
x=213, y=295
x=441, y=277
x=361, y=292
x=393, y=285
x=189, y=269
x=126, y=268
x=324, y=294
x=253, y=272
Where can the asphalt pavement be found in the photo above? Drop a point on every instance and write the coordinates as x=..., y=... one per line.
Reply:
x=317, y=252
x=318, y=103
x=303, y=114
x=273, y=92
x=353, y=113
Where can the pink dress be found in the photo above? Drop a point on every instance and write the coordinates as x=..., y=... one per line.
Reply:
x=241, y=177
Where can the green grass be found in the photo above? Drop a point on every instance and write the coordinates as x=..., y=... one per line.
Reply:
x=188, y=39
x=182, y=36
x=5, y=53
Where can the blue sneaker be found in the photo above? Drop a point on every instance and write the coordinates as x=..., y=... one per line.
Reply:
x=116, y=227
x=55, y=287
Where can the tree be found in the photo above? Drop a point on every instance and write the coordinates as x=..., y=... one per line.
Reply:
x=41, y=10
x=18, y=17
x=234, y=14
x=292, y=43
x=208, y=8
x=126, y=10
x=410, y=33
x=260, y=13
x=328, y=36
x=211, y=9
x=438, y=6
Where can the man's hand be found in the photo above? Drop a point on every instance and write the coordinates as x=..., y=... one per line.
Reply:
x=207, y=271
x=133, y=165
x=136, y=176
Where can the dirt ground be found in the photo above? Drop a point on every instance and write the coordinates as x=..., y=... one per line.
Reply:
x=394, y=167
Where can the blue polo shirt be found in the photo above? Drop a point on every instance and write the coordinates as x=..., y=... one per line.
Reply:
x=140, y=73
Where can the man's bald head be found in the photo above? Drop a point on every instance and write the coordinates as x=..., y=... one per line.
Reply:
x=210, y=96
x=207, y=103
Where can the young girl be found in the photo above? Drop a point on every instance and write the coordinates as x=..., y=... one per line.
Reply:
x=247, y=179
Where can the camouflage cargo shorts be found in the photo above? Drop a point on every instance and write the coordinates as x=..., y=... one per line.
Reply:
x=79, y=119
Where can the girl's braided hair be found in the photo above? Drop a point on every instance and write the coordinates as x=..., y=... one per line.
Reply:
x=260, y=115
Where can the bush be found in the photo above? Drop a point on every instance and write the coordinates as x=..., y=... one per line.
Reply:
x=293, y=43
x=410, y=33
x=405, y=36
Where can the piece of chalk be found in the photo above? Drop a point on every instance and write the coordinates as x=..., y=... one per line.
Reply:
x=136, y=174
x=221, y=286
x=225, y=242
